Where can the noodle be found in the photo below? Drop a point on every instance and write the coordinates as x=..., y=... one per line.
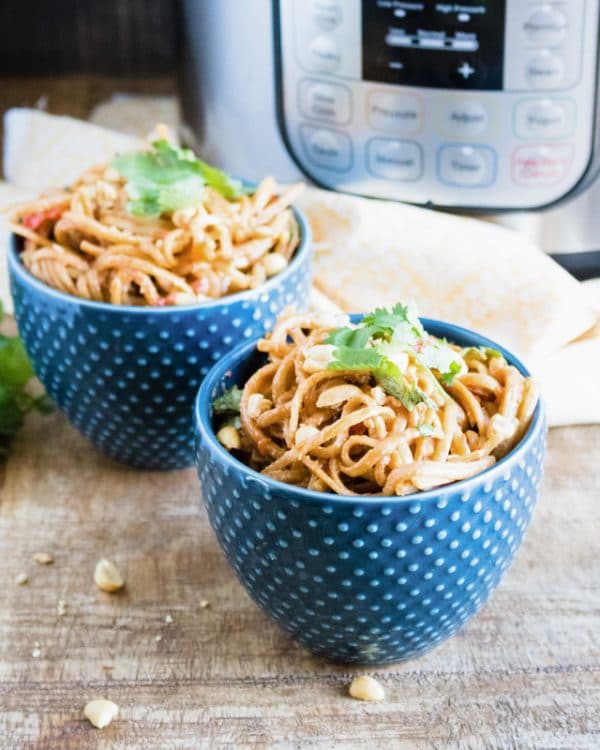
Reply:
x=339, y=431
x=83, y=241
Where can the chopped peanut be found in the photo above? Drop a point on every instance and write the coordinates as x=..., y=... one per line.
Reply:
x=107, y=576
x=229, y=437
x=305, y=433
x=366, y=688
x=274, y=263
x=100, y=712
x=43, y=558
x=257, y=403
x=317, y=357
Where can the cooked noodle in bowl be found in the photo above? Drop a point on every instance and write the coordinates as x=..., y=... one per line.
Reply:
x=158, y=227
x=378, y=407
x=129, y=285
x=338, y=470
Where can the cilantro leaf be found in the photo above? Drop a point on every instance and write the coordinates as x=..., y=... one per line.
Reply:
x=229, y=402
x=398, y=387
x=348, y=358
x=365, y=348
x=15, y=368
x=384, y=319
x=438, y=355
x=15, y=402
x=11, y=414
x=351, y=338
x=220, y=181
x=401, y=324
x=144, y=204
x=167, y=178
x=481, y=353
x=448, y=377
x=185, y=192
x=385, y=342
x=386, y=372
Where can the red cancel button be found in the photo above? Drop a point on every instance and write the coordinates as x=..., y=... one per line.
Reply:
x=541, y=165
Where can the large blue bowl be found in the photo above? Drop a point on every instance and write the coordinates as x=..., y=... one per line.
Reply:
x=366, y=580
x=126, y=376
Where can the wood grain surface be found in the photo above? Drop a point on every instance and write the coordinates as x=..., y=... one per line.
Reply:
x=525, y=673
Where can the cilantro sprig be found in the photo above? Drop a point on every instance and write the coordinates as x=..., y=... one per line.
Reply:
x=401, y=324
x=379, y=344
x=385, y=371
x=15, y=400
x=481, y=353
x=229, y=402
x=448, y=377
x=227, y=407
x=167, y=178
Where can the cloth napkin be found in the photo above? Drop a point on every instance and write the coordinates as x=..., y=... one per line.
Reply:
x=370, y=253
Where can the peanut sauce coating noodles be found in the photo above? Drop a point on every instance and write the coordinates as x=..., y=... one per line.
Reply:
x=157, y=227
x=381, y=407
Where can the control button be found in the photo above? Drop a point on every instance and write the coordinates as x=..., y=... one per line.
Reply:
x=395, y=113
x=325, y=101
x=465, y=70
x=546, y=25
x=545, y=70
x=541, y=165
x=543, y=118
x=395, y=160
x=327, y=13
x=324, y=54
x=327, y=148
x=465, y=118
x=467, y=166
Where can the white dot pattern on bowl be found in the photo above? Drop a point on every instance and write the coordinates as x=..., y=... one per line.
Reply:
x=127, y=380
x=371, y=581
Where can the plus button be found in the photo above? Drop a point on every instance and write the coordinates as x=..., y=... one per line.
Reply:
x=465, y=70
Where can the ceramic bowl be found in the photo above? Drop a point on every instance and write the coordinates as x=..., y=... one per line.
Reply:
x=366, y=580
x=127, y=376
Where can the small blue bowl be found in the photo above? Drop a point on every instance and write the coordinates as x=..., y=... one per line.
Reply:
x=366, y=580
x=127, y=376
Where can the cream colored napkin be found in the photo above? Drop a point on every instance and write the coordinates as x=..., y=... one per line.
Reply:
x=370, y=253
x=136, y=114
x=42, y=151
x=466, y=271
x=469, y=272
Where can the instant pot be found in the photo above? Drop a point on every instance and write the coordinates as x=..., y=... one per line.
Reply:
x=488, y=107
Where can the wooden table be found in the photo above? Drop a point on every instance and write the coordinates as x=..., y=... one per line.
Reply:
x=525, y=673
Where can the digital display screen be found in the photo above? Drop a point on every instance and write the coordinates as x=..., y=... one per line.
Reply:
x=442, y=45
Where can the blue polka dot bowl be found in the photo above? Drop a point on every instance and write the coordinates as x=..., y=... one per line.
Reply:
x=126, y=376
x=366, y=580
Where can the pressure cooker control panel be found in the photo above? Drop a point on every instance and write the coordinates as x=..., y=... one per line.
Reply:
x=477, y=104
